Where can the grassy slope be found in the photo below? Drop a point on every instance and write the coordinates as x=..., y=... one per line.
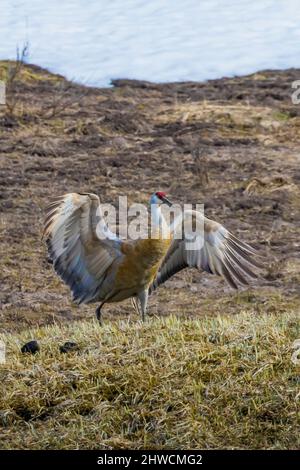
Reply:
x=210, y=383
x=215, y=370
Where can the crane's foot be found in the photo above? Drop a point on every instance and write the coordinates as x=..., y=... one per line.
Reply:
x=99, y=314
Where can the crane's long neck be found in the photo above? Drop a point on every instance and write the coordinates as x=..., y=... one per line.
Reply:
x=159, y=227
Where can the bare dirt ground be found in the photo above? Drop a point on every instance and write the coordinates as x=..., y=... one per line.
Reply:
x=232, y=144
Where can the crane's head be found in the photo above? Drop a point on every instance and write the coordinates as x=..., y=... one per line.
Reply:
x=160, y=198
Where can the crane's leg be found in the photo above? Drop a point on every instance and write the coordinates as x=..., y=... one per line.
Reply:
x=135, y=304
x=99, y=313
x=143, y=298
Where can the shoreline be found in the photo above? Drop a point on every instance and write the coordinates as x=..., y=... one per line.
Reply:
x=133, y=80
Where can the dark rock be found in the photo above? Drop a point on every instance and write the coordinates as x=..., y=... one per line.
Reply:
x=69, y=346
x=31, y=347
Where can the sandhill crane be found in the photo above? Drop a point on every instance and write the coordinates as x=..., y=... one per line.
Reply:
x=108, y=269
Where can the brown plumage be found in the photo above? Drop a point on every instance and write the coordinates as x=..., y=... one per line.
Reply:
x=99, y=267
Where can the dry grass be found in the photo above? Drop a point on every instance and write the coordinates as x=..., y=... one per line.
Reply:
x=223, y=382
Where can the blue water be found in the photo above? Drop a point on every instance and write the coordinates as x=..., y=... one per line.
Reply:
x=92, y=41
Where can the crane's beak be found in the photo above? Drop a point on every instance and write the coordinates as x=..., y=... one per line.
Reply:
x=165, y=200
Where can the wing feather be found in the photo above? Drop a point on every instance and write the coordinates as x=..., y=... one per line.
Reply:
x=80, y=250
x=215, y=250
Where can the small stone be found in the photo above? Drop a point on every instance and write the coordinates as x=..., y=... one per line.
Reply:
x=119, y=142
x=31, y=347
x=69, y=346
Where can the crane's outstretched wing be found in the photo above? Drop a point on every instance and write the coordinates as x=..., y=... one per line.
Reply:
x=213, y=249
x=80, y=244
